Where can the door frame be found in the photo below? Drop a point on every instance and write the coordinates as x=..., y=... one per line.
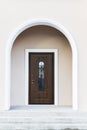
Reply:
x=55, y=51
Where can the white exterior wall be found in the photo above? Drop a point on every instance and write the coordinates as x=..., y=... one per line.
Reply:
x=70, y=13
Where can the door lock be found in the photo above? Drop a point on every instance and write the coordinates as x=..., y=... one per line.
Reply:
x=32, y=81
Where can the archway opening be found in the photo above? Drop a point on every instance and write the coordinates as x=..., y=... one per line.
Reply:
x=43, y=37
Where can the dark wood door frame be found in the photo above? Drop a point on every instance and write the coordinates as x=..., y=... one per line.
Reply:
x=27, y=51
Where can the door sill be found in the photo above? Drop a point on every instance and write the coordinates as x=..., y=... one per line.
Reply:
x=43, y=108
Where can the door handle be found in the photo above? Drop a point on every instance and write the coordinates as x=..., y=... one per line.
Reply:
x=32, y=81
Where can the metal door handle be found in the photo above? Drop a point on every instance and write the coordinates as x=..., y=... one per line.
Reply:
x=32, y=81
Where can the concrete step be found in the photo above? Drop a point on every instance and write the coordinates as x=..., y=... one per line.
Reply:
x=42, y=127
x=42, y=120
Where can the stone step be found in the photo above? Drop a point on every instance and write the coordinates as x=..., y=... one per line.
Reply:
x=42, y=126
x=40, y=112
x=42, y=120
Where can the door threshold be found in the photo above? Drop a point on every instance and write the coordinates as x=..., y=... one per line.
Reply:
x=43, y=108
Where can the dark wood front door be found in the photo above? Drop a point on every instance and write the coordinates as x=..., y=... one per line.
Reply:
x=41, y=78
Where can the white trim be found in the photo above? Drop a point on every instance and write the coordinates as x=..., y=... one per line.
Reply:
x=62, y=29
x=55, y=51
x=26, y=76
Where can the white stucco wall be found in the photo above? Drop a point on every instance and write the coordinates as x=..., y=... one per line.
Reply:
x=70, y=13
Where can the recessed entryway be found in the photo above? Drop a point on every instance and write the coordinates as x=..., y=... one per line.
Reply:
x=42, y=35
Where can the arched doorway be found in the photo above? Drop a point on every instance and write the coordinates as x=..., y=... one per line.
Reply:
x=70, y=41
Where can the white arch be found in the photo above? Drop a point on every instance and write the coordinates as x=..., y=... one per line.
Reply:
x=74, y=58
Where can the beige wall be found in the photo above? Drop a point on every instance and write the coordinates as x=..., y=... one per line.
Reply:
x=41, y=37
x=70, y=13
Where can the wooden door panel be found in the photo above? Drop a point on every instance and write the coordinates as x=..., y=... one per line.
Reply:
x=41, y=92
